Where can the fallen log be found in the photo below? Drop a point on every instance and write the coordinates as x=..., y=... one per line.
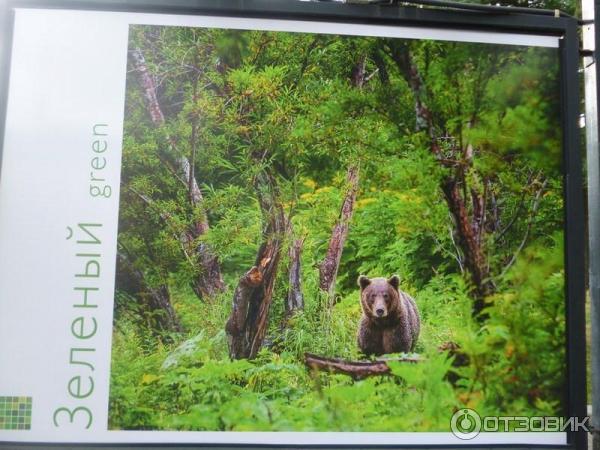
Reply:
x=355, y=369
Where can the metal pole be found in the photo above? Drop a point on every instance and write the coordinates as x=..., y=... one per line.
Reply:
x=593, y=174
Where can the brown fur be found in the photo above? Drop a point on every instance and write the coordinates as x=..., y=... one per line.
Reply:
x=390, y=321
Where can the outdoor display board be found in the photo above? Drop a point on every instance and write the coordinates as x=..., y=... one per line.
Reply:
x=286, y=223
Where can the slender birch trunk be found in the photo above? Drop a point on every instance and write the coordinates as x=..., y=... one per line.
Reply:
x=209, y=281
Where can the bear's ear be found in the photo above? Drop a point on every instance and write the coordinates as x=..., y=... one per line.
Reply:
x=394, y=280
x=363, y=281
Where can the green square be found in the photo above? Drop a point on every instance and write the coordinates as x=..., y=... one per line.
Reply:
x=15, y=413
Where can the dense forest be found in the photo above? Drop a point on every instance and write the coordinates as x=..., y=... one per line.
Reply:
x=263, y=172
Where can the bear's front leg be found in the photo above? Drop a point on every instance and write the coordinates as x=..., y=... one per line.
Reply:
x=370, y=339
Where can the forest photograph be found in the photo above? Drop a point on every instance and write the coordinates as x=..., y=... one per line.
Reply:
x=336, y=233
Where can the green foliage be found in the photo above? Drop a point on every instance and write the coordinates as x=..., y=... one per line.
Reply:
x=515, y=366
x=201, y=389
x=525, y=336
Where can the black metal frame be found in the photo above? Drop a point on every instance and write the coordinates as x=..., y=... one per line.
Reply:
x=562, y=27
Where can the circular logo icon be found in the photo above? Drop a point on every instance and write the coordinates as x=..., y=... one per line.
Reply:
x=465, y=424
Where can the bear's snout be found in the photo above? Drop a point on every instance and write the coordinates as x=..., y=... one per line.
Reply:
x=380, y=307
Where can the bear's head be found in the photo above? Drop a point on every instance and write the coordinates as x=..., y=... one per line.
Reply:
x=379, y=297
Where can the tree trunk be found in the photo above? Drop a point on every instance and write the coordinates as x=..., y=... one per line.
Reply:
x=295, y=298
x=469, y=243
x=156, y=300
x=247, y=324
x=209, y=281
x=469, y=226
x=358, y=75
x=401, y=55
x=329, y=267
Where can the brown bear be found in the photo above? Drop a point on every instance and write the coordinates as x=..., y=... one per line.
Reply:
x=390, y=321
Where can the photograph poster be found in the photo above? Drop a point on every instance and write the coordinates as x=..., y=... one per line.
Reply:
x=235, y=230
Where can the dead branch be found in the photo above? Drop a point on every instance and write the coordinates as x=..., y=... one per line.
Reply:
x=329, y=266
x=456, y=249
x=371, y=75
x=534, y=208
x=355, y=369
x=516, y=215
x=362, y=369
